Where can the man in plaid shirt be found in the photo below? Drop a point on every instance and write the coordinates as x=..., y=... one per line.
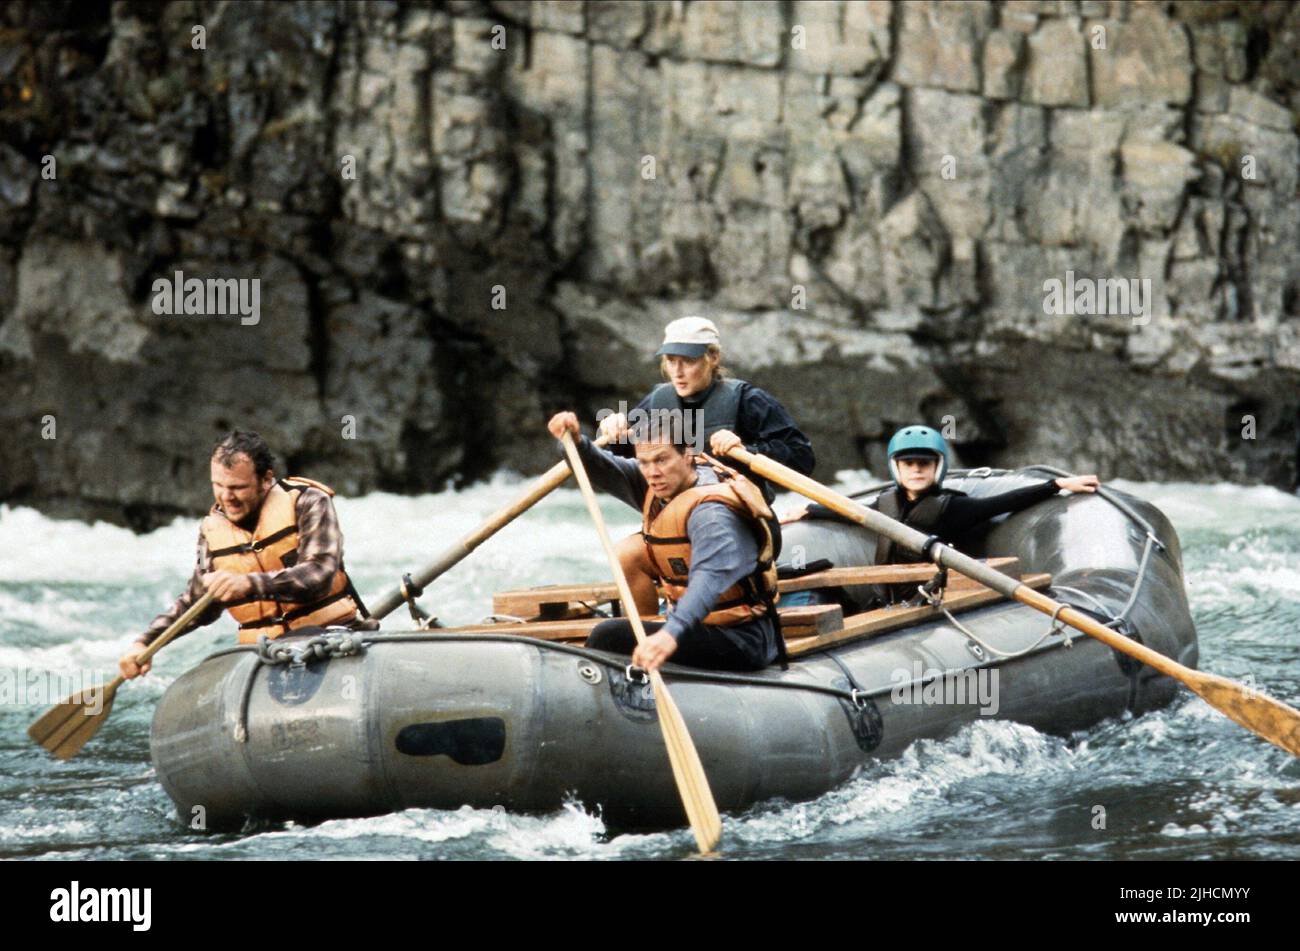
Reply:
x=247, y=557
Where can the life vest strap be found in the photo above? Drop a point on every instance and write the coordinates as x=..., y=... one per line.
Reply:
x=297, y=612
x=256, y=545
x=757, y=600
x=666, y=540
x=291, y=482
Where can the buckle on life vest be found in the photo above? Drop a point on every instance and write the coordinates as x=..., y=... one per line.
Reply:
x=265, y=622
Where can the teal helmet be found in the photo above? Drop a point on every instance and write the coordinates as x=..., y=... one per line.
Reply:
x=918, y=441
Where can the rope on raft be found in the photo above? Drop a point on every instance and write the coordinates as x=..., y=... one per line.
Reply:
x=932, y=593
x=855, y=695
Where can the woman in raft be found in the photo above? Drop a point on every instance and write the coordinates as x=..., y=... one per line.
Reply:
x=716, y=413
x=918, y=459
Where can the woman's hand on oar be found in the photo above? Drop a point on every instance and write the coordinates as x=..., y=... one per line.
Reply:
x=1264, y=716
x=688, y=771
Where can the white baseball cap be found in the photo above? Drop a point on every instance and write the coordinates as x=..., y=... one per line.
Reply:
x=689, y=337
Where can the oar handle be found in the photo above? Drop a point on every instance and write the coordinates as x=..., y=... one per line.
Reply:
x=459, y=550
x=593, y=507
x=176, y=627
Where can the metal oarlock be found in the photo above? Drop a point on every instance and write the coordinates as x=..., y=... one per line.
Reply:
x=410, y=591
x=640, y=677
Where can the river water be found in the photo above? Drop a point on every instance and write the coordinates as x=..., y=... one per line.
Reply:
x=1180, y=783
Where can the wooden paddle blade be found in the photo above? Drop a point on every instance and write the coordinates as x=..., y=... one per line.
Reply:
x=65, y=728
x=697, y=797
x=71, y=746
x=52, y=719
x=1270, y=719
x=59, y=719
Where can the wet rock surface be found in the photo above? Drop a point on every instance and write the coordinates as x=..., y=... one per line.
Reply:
x=466, y=216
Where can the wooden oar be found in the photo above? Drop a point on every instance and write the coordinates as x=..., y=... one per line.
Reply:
x=1262, y=715
x=554, y=477
x=65, y=728
x=688, y=771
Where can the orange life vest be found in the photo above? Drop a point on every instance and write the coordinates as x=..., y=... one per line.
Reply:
x=231, y=548
x=663, y=526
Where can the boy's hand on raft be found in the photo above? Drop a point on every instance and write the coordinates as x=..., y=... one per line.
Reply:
x=723, y=441
x=564, y=422
x=1084, y=483
x=228, y=585
x=656, y=649
x=129, y=663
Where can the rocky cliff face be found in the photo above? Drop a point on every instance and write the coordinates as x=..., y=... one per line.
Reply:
x=465, y=216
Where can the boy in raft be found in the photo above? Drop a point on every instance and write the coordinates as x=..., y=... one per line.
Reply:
x=270, y=550
x=708, y=540
x=918, y=459
x=712, y=407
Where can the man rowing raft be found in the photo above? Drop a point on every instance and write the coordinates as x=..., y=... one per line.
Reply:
x=707, y=535
x=270, y=550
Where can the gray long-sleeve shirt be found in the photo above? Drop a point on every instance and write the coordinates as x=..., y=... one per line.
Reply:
x=723, y=547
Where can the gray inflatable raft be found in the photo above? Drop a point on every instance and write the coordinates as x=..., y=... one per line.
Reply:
x=442, y=720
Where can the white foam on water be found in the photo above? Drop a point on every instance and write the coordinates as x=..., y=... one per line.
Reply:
x=1226, y=815
x=1241, y=585
x=1222, y=507
x=572, y=833
x=420, y=825
x=54, y=611
x=1175, y=831
x=924, y=773
x=569, y=833
x=382, y=532
x=413, y=825
x=98, y=552
x=382, y=528
x=386, y=534
x=19, y=829
x=71, y=656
